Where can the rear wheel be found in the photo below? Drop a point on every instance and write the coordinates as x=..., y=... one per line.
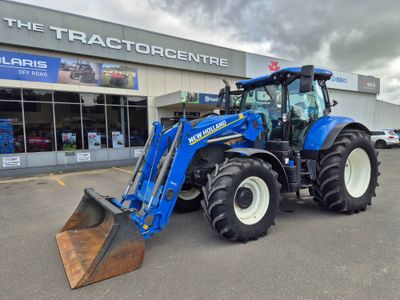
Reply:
x=380, y=144
x=242, y=198
x=347, y=173
x=188, y=199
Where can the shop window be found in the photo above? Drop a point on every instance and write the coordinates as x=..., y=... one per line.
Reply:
x=39, y=127
x=94, y=126
x=68, y=127
x=92, y=99
x=137, y=100
x=66, y=97
x=37, y=95
x=11, y=128
x=117, y=126
x=138, y=126
x=10, y=94
x=116, y=99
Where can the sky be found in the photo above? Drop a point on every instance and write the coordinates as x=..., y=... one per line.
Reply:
x=347, y=35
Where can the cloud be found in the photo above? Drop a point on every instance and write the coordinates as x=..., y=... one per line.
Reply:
x=354, y=36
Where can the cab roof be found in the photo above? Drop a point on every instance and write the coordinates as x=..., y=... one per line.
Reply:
x=277, y=77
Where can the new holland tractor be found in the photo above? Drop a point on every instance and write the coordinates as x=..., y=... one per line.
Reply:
x=280, y=140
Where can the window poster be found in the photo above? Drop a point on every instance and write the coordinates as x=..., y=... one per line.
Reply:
x=117, y=139
x=68, y=141
x=94, y=140
x=6, y=136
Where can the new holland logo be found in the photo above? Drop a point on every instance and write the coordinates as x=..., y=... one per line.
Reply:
x=197, y=137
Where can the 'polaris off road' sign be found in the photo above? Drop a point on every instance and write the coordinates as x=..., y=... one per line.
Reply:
x=21, y=66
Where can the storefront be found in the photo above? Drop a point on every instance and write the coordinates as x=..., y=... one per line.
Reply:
x=78, y=92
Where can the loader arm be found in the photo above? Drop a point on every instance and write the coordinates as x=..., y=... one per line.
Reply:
x=166, y=157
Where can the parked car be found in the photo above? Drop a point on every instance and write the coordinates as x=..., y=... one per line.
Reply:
x=384, y=138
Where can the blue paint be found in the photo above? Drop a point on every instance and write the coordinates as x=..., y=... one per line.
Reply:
x=270, y=79
x=6, y=136
x=320, y=130
x=208, y=99
x=28, y=67
x=191, y=140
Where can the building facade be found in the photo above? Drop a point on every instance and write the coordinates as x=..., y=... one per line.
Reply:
x=77, y=92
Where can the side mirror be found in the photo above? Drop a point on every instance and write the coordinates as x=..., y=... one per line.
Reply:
x=306, y=79
x=334, y=103
x=221, y=96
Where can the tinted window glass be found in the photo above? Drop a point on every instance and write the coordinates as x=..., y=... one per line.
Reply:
x=138, y=126
x=133, y=100
x=391, y=132
x=39, y=127
x=11, y=128
x=117, y=126
x=66, y=97
x=68, y=127
x=94, y=127
x=116, y=99
x=92, y=99
x=10, y=94
x=37, y=95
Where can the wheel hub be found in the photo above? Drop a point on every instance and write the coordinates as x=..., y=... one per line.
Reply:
x=251, y=200
x=244, y=197
x=357, y=172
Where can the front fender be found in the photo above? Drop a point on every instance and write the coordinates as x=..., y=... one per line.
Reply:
x=268, y=157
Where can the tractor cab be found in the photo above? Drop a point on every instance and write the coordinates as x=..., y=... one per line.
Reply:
x=303, y=104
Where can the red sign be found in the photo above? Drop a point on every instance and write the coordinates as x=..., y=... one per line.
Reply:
x=274, y=66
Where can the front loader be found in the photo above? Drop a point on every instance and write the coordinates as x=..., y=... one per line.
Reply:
x=238, y=165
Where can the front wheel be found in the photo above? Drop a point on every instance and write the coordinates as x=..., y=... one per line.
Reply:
x=242, y=198
x=347, y=173
x=188, y=199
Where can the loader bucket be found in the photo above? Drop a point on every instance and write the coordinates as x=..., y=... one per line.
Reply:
x=99, y=241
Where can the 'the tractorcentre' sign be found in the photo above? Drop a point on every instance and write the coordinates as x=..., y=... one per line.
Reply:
x=71, y=35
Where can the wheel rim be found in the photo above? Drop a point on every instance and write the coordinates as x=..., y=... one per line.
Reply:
x=357, y=172
x=190, y=194
x=260, y=201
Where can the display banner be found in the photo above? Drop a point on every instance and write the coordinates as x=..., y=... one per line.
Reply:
x=208, y=99
x=6, y=136
x=28, y=67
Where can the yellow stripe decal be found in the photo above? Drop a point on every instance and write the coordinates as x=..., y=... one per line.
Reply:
x=212, y=132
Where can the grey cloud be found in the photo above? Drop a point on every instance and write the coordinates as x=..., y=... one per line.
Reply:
x=355, y=36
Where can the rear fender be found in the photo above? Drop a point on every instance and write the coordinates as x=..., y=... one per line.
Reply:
x=267, y=157
x=323, y=132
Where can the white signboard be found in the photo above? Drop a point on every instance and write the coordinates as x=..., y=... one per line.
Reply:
x=260, y=65
x=83, y=156
x=342, y=81
x=138, y=152
x=94, y=140
x=11, y=161
x=117, y=139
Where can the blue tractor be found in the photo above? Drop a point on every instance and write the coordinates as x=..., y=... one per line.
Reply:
x=278, y=139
